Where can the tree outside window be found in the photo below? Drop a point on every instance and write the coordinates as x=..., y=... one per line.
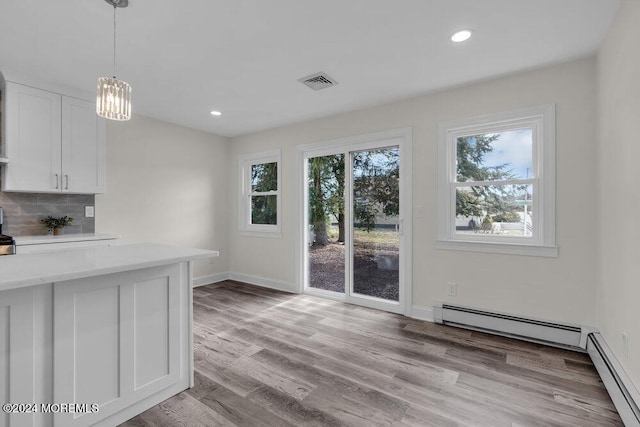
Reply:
x=264, y=198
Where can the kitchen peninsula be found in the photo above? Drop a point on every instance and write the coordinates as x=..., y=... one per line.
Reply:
x=107, y=325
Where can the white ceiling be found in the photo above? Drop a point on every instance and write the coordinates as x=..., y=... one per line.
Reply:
x=243, y=57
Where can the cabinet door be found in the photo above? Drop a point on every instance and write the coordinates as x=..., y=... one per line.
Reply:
x=83, y=147
x=16, y=354
x=117, y=340
x=33, y=139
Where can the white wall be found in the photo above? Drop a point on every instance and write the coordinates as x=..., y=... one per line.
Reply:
x=560, y=289
x=618, y=287
x=167, y=184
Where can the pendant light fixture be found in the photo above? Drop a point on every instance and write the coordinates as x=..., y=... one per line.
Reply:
x=114, y=96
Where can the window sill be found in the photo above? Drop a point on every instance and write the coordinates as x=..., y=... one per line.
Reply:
x=498, y=248
x=262, y=234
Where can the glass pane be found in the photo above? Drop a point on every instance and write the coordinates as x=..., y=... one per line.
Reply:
x=495, y=156
x=376, y=209
x=264, y=177
x=501, y=210
x=264, y=210
x=326, y=222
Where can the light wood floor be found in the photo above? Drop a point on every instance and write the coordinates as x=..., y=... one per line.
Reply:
x=266, y=358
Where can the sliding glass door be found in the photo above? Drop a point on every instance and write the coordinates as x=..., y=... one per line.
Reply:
x=375, y=225
x=353, y=244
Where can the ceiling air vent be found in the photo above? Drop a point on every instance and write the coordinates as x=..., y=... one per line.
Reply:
x=318, y=81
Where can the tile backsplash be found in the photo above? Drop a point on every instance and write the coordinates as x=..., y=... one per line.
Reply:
x=23, y=212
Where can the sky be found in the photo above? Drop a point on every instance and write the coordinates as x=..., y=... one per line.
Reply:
x=515, y=148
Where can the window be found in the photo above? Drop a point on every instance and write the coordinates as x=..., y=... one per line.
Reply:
x=496, y=183
x=260, y=199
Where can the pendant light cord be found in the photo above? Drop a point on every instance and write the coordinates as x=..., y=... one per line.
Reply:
x=114, y=41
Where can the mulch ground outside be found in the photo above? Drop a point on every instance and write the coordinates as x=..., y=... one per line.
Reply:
x=376, y=271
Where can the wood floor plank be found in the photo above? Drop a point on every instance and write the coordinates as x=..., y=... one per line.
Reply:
x=390, y=339
x=275, y=378
x=241, y=384
x=268, y=358
x=278, y=341
x=293, y=411
x=527, y=407
x=180, y=410
x=240, y=410
x=378, y=405
x=557, y=367
x=597, y=406
x=363, y=375
x=419, y=417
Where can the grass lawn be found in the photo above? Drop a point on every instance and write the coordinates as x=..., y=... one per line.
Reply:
x=379, y=236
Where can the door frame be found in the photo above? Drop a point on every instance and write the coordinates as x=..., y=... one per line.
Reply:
x=403, y=138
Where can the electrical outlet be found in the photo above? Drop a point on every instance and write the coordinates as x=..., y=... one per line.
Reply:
x=625, y=345
x=89, y=211
x=452, y=289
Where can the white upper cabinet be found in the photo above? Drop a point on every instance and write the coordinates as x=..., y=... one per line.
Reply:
x=83, y=145
x=54, y=143
x=32, y=139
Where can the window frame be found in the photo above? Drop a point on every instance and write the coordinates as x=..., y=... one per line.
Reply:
x=246, y=162
x=541, y=120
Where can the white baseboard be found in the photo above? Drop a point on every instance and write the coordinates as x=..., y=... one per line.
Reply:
x=211, y=278
x=624, y=395
x=422, y=313
x=265, y=283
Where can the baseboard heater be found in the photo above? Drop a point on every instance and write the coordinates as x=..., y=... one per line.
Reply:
x=554, y=334
x=622, y=391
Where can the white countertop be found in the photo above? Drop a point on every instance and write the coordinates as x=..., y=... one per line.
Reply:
x=17, y=271
x=63, y=238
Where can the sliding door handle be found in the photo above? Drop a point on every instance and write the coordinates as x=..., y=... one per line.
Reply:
x=66, y=187
x=57, y=183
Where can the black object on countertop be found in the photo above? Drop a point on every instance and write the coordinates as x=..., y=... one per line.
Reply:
x=7, y=244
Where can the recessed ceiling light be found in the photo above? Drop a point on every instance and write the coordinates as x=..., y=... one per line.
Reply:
x=216, y=113
x=460, y=36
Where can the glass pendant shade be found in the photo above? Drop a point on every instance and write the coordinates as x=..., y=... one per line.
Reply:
x=114, y=99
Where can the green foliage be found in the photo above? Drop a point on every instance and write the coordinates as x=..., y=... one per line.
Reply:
x=326, y=195
x=497, y=201
x=264, y=177
x=376, y=185
x=264, y=210
x=376, y=189
x=365, y=215
x=52, y=222
x=264, y=207
x=468, y=204
x=326, y=187
x=507, y=217
x=470, y=154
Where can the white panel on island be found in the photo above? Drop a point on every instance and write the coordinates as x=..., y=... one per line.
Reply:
x=108, y=325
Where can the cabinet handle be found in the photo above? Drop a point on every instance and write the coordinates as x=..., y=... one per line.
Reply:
x=57, y=183
x=66, y=187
